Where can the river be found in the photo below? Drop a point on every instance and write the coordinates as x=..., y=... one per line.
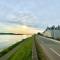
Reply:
x=8, y=40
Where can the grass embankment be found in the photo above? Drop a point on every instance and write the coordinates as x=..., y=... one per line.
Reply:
x=24, y=52
x=5, y=51
x=40, y=52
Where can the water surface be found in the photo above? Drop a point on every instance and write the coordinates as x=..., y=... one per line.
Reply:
x=8, y=40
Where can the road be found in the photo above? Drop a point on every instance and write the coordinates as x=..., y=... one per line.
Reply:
x=50, y=47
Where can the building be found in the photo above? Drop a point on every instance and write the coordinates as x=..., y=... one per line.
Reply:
x=53, y=32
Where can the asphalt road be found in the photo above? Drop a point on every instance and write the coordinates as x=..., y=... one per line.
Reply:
x=51, y=47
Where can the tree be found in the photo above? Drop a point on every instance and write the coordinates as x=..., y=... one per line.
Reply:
x=39, y=33
x=58, y=27
x=53, y=27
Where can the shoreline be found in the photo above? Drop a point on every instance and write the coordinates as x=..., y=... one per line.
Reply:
x=5, y=51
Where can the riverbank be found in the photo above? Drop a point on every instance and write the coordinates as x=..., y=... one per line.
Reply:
x=21, y=51
x=5, y=51
x=24, y=52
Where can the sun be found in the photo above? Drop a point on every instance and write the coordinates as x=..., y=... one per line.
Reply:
x=24, y=27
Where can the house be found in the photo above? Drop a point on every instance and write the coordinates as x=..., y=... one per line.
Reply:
x=53, y=32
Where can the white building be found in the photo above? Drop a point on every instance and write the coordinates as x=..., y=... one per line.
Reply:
x=55, y=32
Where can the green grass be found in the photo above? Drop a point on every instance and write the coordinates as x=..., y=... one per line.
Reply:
x=5, y=51
x=24, y=52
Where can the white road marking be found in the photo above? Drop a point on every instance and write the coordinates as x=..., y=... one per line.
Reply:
x=54, y=52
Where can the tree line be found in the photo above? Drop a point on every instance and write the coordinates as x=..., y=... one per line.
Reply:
x=53, y=27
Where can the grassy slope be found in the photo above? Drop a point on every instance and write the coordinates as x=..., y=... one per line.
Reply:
x=5, y=51
x=24, y=52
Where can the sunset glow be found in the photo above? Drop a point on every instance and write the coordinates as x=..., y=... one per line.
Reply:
x=23, y=30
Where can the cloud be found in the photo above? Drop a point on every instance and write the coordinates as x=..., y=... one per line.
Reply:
x=34, y=13
x=21, y=19
x=23, y=29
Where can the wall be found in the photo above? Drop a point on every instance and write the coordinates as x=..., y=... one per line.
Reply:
x=57, y=34
x=52, y=33
x=47, y=33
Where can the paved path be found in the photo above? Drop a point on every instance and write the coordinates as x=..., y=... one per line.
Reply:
x=34, y=52
x=50, y=46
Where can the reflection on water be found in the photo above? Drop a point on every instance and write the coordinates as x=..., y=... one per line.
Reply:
x=8, y=40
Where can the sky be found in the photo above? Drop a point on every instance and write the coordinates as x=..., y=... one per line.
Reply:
x=31, y=13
